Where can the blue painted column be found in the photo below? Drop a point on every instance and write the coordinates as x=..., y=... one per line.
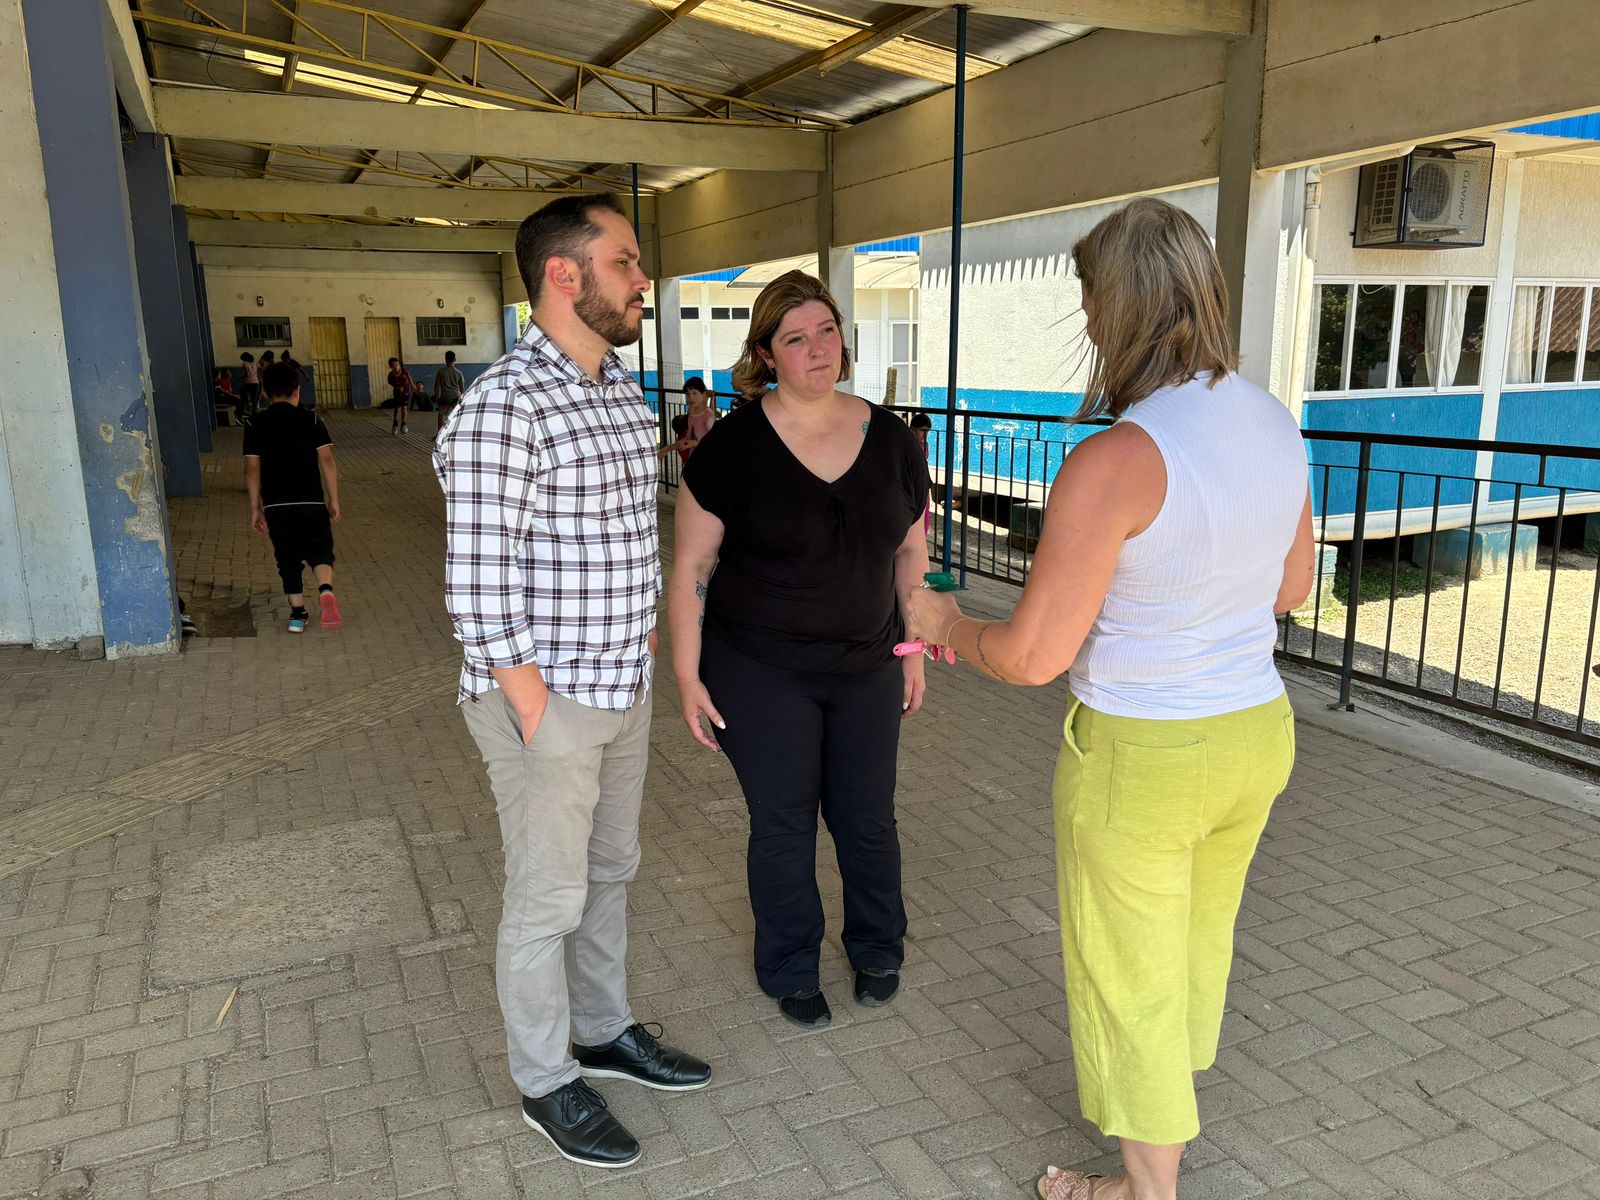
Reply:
x=81, y=144
x=194, y=331
x=161, y=299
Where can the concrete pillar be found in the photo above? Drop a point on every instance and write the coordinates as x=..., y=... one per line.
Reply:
x=1497, y=327
x=195, y=332
x=667, y=298
x=48, y=596
x=115, y=466
x=841, y=280
x=836, y=267
x=202, y=305
x=150, y=205
x=508, y=315
x=1249, y=208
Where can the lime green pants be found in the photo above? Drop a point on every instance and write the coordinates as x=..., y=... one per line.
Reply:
x=1156, y=824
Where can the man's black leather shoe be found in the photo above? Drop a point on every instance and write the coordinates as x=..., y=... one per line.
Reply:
x=639, y=1057
x=575, y=1119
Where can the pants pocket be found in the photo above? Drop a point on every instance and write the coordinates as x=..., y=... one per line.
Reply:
x=1158, y=793
x=1291, y=749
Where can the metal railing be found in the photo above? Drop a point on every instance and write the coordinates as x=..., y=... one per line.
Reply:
x=1478, y=590
x=1493, y=610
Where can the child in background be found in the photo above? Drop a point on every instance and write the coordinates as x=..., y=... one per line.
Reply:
x=288, y=462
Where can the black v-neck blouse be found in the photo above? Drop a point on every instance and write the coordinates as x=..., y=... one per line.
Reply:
x=805, y=575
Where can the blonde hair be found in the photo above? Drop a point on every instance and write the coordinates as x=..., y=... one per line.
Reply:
x=751, y=374
x=1160, y=305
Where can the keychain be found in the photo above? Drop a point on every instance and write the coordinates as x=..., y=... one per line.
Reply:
x=934, y=581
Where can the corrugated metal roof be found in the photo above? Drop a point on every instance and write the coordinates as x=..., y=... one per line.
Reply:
x=1586, y=127
x=725, y=47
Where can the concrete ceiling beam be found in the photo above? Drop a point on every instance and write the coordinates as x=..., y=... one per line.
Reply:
x=324, y=235
x=127, y=65
x=228, y=116
x=370, y=200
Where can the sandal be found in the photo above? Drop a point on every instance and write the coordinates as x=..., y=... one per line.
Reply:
x=1056, y=1184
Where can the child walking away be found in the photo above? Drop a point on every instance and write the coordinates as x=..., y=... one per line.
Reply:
x=288, y=461
x=403, y=385
x=448, y=384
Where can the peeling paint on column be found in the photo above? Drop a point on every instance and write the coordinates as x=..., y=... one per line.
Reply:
x=146, y=524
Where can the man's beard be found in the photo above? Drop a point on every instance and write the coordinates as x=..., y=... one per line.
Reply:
x=610, y=323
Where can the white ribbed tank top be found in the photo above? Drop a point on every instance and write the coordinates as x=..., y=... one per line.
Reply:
x=1187, y=628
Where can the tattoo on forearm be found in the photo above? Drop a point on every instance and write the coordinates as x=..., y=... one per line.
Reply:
x=983, y=659
x=700, y=590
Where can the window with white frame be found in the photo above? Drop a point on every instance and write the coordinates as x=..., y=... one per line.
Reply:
x=1396, y=335
x=1555, y=334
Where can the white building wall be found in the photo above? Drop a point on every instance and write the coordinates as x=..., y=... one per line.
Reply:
x=1559, y=233
x=1022, y=325
x=708, y=345
x=307, y=283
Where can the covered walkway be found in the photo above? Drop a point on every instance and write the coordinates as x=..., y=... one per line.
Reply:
x=246, y=941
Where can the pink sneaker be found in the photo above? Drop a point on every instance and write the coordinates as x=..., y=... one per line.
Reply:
x=330, y=611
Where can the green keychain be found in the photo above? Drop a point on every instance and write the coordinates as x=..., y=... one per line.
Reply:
x=941, y=581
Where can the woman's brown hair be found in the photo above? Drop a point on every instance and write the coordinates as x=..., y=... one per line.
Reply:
x=1160, y=305
x=751, y=375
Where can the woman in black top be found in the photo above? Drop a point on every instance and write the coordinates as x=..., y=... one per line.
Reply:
x=808, y=504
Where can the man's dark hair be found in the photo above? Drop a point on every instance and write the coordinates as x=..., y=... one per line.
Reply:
x=561, y=229
x=394, y=362
x=247, y=357
x=695, y=384
x=280, y=381
x=921, y=421
x=449, y=356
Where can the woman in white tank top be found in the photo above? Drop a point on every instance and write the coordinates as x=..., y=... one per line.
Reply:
x=1170, y=542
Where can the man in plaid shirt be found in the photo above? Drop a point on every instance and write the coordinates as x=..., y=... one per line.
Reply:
x=552, y=573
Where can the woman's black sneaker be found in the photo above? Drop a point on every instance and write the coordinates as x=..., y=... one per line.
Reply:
x=578, y=1125
x=876, y=986
x=809, y=1010
x=638, y=1056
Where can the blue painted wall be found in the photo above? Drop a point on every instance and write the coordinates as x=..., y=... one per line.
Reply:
x=360, y=389
x=1566, y=417
x=720, y=382
x=150, y=206
x=84, y=176
x=194, y=332
x=1394, y=467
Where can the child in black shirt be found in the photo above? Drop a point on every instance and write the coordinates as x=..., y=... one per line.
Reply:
x=288, y=460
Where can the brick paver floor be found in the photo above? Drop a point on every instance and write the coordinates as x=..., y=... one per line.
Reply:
x=1415, y=1010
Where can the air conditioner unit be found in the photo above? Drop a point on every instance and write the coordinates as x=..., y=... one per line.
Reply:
x=1435, y=197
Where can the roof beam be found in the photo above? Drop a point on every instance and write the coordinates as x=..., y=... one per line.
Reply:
x=615, y=53
x=433, y=72
x=895, y=24
x=373, y=201
x=323, y=235
x=1189, y=18
x=127, y=64
x=230, y=116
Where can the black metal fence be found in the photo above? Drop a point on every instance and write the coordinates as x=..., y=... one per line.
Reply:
x=1474, y=584
x=1464, y=572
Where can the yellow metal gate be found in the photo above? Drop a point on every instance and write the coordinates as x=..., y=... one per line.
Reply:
x=383, y=343
x=330, y=358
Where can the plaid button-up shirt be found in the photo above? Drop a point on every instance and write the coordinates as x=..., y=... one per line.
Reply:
x=551, y=552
